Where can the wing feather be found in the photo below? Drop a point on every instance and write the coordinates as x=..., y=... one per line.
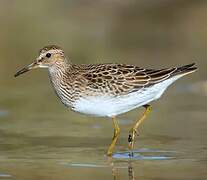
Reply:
x=116, y=79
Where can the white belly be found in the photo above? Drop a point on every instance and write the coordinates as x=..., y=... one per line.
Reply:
x=115, y=105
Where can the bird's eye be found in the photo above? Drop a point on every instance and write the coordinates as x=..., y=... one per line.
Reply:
x=48, y=55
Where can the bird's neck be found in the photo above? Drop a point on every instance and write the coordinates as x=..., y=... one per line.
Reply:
x=59, y=68
x=61, y=73
x=61, y=81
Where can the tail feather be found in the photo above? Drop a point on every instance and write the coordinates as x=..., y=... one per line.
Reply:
x=185, y=69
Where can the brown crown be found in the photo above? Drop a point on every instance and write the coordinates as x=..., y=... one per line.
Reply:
x=49, y=47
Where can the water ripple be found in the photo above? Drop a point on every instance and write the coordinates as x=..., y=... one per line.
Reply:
x=3, y=175
x=145, y=154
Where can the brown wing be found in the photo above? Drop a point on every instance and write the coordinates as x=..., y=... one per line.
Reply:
x=116, y=79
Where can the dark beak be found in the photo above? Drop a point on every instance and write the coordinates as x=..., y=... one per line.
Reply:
x=27, y=68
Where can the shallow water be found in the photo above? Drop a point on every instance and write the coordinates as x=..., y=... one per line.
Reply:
x=41, y=139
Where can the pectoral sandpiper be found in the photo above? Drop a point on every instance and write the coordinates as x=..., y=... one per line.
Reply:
x=105, y=89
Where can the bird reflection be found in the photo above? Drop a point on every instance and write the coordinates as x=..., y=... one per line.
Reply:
x=130, y=171
x=115, y=170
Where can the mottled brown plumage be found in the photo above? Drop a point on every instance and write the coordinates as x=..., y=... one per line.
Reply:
x=116, y=79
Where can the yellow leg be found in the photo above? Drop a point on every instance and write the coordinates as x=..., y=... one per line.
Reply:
x=133, y=131
x=115, y=137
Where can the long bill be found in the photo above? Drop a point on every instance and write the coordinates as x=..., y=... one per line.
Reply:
x=27, y=68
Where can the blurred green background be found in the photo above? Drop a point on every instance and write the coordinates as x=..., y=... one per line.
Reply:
x=37, y=133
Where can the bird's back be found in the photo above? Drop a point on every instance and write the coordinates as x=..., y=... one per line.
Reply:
x=121, y=79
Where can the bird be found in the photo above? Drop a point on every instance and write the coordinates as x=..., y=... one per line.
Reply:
x=106, y=90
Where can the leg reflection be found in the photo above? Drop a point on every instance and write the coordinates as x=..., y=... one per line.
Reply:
x=130, y=171
x=115, y=170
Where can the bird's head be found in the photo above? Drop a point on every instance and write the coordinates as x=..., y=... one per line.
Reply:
x=48, y=56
